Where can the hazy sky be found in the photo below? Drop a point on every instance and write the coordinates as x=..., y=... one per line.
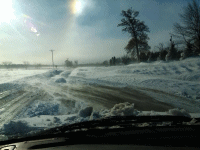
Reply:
x=83, y=30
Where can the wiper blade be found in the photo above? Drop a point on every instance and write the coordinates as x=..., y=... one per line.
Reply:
x=128, y=123
x=108, y=122
x=120, y=121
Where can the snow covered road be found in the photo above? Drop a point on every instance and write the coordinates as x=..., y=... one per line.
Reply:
x=107, y=96
x=55, y=97
x=12, y=108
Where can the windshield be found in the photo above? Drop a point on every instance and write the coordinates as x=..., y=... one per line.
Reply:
x=69, y=61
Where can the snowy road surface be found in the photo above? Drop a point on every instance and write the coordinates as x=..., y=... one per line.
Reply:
x=55, y=97
x=98, y=97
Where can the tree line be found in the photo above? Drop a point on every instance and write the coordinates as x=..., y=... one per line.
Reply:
x=25, y=65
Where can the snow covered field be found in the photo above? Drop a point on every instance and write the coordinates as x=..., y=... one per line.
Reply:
x=31, y=100
x=14, y=74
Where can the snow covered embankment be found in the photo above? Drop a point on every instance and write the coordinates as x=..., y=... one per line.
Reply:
x=181, y=78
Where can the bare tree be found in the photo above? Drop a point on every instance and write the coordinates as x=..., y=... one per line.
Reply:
x=126, y=59
x=26, y=64
x=189, y=30
x=162, y=51
x=136, y=28
x=68, y=63
x=105, y=63
x=160, y=46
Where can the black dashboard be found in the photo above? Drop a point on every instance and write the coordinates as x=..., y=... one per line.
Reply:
x=138, y=138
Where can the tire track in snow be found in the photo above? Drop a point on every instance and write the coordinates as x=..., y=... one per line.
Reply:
x=107, y=96
x=12, y=108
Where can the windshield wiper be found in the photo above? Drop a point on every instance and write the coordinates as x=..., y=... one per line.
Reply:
x=122, y=121
x=108, y=123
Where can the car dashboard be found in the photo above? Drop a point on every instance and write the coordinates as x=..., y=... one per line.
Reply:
x=138, y=138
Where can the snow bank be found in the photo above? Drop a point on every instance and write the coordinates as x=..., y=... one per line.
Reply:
x=60, y=80
x=123, y=109
x=43, y=109
x=52, y=73
x=66, y=73
x=38, y=108
x=56, y=120
x=52, y=108
x=178, y=112
x=17, y=127
x=180, y=78
x=46, y=115
x=86, y=113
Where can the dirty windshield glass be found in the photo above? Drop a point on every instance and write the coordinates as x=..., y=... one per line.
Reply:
x=69, y=61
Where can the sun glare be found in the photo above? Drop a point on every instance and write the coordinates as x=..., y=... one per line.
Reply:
x=6, y=11
x=77, y=6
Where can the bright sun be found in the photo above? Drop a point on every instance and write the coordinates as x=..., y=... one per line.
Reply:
x=6, y=11
x=77, y=6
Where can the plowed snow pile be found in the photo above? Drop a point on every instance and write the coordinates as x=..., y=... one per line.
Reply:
x=25, y=125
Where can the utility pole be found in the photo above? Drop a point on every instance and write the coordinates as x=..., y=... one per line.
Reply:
x=52, y=57
x=198, y=18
